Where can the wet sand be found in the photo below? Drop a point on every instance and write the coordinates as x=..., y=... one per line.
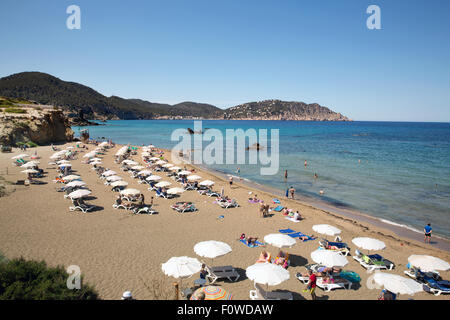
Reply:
x=118, y=251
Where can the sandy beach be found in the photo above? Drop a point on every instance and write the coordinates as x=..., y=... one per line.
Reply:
x=118, y=251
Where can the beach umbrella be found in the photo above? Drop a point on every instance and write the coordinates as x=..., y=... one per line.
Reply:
x=130, y=192
x=269, y=274
x=129, y=162
x=103, y=144
x=154, y=159
x=329, y=258
x=29, y=171
x=109, y=173
x=428, y=263
x=64, y=165
x=162, y=184
x=207, y=183
x=30, y=164
x=369, y=243
x=90, y=154
x=70, y=147
x=137, y=167
x=326, y=229
x=181, y=267
x=20, y=156
x=113, y=178
x=145, y=173
x=184, y=173
x=119, y=183
x=80, y=193
x=151, y=146
x=194, y=177
x=76, y=183
x=212, y=293
x=71, y=177
x=95, y=159
x=161, y=162
x=62, y=161
x=153, y=178
x=174, y=168
x=95, y=163
x=279, y=240
x=167, y=165
x=132, y=163
x=396, y=284
x=175, y=190
x=145, y=154
x=211, y=249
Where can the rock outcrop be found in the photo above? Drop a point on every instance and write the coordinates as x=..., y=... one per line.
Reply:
x=39, y=124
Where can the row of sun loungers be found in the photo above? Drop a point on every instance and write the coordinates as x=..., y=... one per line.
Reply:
x=431, y=281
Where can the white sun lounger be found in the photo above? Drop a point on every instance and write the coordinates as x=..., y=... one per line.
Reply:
x=260, y=294
x=372, y=267
x=340, y=283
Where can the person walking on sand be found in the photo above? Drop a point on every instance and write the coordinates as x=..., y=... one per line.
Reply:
x=311, y=285
x=262, y=207
x=292, y=191
x=231, y=181
x=428, y=230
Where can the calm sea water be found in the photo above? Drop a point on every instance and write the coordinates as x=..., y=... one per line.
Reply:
x=394, y=171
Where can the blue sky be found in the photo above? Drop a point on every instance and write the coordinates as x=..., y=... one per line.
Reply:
x=230, y=52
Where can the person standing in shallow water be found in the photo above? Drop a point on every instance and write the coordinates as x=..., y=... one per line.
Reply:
x=285, y=175
x=427, y=230
x=292, y=191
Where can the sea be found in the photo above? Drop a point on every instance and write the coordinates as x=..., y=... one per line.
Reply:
x=396, y=172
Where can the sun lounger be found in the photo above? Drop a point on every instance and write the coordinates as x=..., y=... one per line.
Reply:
x=121, y=206
x=81, y=206
x=292, y=219
x=222, y=272
x=184, y=207
x=436, y=287
x=211, y=193
x=144, y=209
x=373, y=262
x=228, y=204
x=254, y=245
x=260, y=294
x=301, y=278
x=277, y=209
x=288, y=230
x=339, y=283
x=340, y=247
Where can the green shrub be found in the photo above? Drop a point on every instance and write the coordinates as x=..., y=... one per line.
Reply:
x=31, y=144
x=32, y=280
x=15, y=110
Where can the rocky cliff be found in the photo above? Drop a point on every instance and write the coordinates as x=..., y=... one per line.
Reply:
x=30, y=123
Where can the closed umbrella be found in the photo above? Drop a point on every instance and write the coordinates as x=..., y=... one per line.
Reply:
x=279, y=240
x=119, y=183
x=395, y=283
x=207, y=183
x=113, y=178
x=212, y=293
x=153, y=178
x=175, y=190
x=80, y=193
x=29, y=171
x=71, y=177
x=369, y=243
x=76, y=183
x=267, y=273
x=194, y=177
x=211, y=249
x=428, y=263
x=109, y=173
x=326, y=229
x=20, y=156
x=144, y=173
x=162, y=184
x=329, y=258
x=130, y=192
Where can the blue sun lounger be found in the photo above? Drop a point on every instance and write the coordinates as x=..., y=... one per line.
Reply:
x=278, y=209
x=257, y=244
x=294, y=234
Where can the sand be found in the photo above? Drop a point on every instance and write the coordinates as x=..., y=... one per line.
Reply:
x=118, y=251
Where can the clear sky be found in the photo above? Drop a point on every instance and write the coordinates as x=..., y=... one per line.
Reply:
x=229, y=52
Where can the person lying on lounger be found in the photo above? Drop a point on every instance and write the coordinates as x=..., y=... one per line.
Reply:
x=280, y=259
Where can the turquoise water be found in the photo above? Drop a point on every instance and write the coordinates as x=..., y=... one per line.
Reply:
x=403, y=174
